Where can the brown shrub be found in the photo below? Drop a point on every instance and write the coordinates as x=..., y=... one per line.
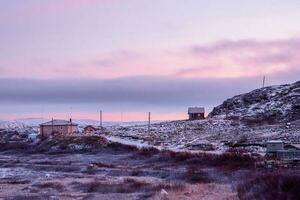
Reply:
x=226, y=160
x=121, y=147
x=53, y=185
x=148, y=151
x=279, y=186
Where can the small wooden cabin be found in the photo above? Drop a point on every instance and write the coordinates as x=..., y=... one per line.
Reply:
x=196, y=113
x=62, y=127
x=274, y=145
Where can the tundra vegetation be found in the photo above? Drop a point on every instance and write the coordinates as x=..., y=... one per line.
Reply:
x=91, y=167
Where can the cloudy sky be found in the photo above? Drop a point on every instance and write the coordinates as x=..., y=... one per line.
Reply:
x=128, y=57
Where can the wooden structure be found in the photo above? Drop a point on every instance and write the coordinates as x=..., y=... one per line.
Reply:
x=274, y=145
x=196, y=113
x=61, y=127
x=90, y=129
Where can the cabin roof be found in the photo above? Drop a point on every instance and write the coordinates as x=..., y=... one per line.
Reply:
x=58, y=122
x=297, y=146
x=193, y=110
x=90, y=126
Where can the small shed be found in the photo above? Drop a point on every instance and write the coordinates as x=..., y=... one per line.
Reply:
x=274, y=146
x=55, y=126
x=89, y=129
x=196, y=113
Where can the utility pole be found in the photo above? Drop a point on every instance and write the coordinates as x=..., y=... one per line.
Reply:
x=52, y=125
x=149, y=120
x=71, y=110
x=100, y=119
x=264, y=80
x=71, y=119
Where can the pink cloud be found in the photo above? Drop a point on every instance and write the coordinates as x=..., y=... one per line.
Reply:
x=224, y=59
x=243, y=58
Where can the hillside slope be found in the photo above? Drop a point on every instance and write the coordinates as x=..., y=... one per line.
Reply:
x=267, y=105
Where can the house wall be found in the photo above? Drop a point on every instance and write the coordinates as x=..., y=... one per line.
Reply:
x=195, y=116
x=49, y=129
x=72, y=129
x=274, y=147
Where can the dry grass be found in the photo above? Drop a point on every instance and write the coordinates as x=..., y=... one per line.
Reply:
x=197, y=192
x=128, y=185
x=196, y=175
x=99, y=164
x=14, y=181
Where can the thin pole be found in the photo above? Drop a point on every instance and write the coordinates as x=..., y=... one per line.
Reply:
x=264, y=80
x=52, y=125
x=71, y=110
x=149, y=121
x=100, y=118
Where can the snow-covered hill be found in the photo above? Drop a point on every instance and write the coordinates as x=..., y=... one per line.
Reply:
x=266, y=105
x=11, y=125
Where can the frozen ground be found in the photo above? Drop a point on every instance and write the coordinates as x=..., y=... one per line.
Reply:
x=208, y=135
x=91, y=167
x=211, y=135
x=54, y=169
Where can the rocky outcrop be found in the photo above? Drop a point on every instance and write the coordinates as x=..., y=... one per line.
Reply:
x=267, y=105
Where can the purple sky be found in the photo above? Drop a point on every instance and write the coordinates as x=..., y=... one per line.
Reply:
x=135, y=56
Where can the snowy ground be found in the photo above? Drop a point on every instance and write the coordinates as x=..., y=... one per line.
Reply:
x=212, y=135
x=207, y=135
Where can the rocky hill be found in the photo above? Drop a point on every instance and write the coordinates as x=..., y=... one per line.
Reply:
x=267, y=105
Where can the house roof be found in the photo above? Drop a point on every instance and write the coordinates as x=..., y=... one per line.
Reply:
x=90, y=126
x=193, y=110
x=58, y=122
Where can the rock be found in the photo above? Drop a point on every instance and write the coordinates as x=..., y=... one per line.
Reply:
x=267, y=105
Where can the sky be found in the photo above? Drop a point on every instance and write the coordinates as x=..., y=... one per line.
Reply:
x=62, y=58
